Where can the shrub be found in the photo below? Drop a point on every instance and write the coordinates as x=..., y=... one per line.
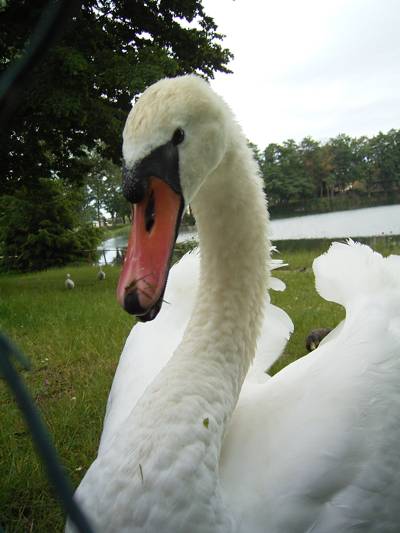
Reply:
x=40, y=228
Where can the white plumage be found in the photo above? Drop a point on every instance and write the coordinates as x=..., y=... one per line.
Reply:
x=101, y=275
x=150, y=345
x=69, y=284
x=315, y=448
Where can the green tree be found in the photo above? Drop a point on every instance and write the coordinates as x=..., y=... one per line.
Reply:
x=312, y=160
x=286, y=179
x=344, y=159
x=83, y=90
x=342, y=166
x=363, y=177
x=44, y=232
x=96, y=181
x=115, y=202
x=103, y=189
x=78, y=99
x=258, y=156
x=272, y=175
x=328, y=178
x=385, y=159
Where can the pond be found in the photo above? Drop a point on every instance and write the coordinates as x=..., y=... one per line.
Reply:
x=110, y=249
x=368, y=222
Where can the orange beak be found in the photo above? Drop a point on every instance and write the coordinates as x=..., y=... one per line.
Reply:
x=153, y=234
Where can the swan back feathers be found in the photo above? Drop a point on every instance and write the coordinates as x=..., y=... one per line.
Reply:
x=352, y=270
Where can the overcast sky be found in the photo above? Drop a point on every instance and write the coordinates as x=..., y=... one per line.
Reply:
x=310, y=67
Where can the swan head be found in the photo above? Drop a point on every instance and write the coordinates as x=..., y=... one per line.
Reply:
x=175, y=136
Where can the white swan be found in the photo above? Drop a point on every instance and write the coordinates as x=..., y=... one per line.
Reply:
x=315, y=448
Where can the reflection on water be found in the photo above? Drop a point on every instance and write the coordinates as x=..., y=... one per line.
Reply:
x=112, y=250
x=368, y=222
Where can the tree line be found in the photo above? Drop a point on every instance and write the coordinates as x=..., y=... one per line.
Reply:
x=311, y=175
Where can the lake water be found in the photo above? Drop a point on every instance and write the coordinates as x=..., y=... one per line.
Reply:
x=109, y=248
x=368, y=222
x=371, y=221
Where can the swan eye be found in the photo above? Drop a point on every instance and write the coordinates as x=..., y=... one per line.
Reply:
x=178, y=136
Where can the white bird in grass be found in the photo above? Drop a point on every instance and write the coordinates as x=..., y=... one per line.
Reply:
x=69, y=284
x=101, y=275
x=314, y=448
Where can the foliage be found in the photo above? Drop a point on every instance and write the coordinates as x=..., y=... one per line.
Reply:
x=68, y=125
x=40, y=229
x=83, y=90
x=287, y=177
x=385, y=158
x=343, y=167
x=70, y=121
x=103, y=187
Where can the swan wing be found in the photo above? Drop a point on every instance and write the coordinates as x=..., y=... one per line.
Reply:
x=276, y=330
x=275, y=333
x=316, y=447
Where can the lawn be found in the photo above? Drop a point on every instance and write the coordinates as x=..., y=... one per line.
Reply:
x=74, y=339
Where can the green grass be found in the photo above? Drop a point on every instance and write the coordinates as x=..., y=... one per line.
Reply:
x=119, y=230
x=74, y=339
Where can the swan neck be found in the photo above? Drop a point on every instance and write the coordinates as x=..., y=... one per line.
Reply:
x=180, y=421
x=232, y=219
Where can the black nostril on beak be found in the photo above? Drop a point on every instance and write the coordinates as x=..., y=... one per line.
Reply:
x=133, y=188
x=150, y=213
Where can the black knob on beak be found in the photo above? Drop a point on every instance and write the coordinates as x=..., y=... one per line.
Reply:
x=134, y=186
